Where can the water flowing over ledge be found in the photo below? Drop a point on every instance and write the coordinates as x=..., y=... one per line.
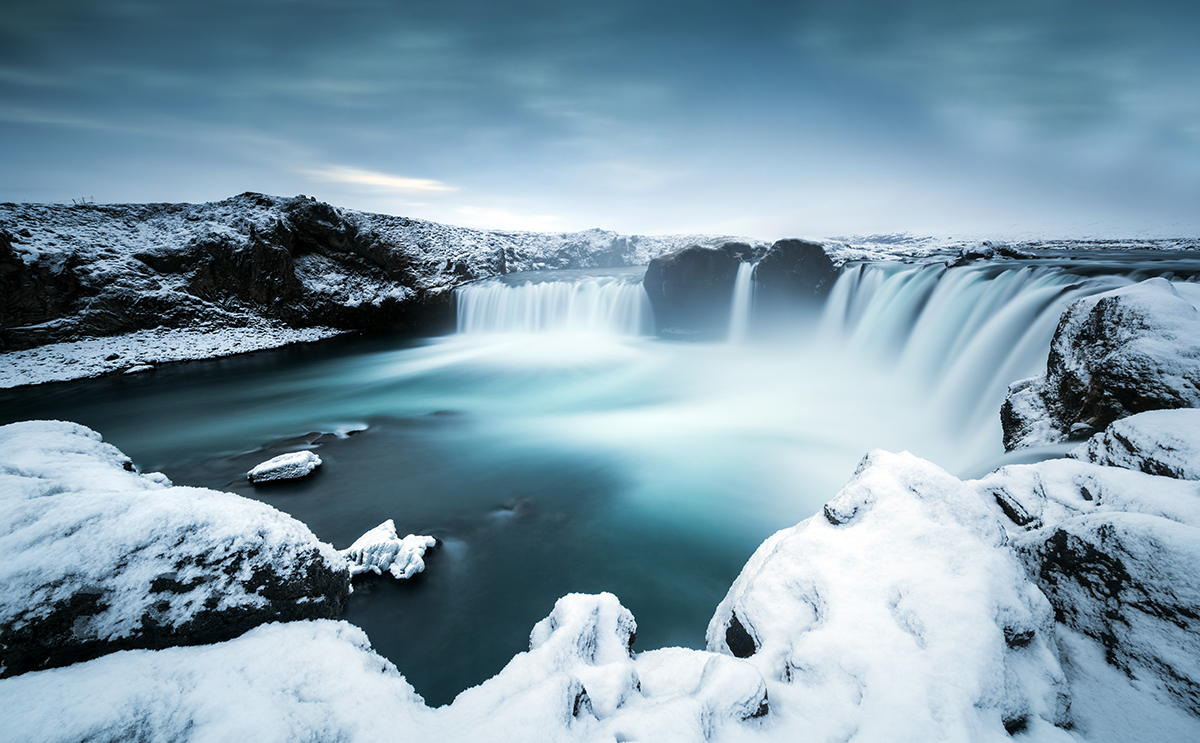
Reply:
x=613, y=302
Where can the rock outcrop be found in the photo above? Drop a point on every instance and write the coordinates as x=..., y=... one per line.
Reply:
x=1116, y=551
x=100, y=558
x=909, y=579
x=691, y=289
x=80, y=271
x=1114, y=354
x=1158, y=442
x=793, y=275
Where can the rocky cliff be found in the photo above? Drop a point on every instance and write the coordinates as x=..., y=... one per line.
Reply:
x=79, y=271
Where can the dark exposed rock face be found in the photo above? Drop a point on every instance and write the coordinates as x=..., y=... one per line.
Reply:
x=60, y=635
x=1113, y=355
x=691, y=289
x=100, y=558
x=34, y=292
x=794, y=274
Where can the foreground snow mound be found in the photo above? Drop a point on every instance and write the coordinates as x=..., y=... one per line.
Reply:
x=1118, y=555
x=1114, y=354
x=381, y=549
x=99, y=558
x=580, y=681
x=290, y=466
x=321, y=681
x=1160, y=442
x=299, y=681
x=897, y=614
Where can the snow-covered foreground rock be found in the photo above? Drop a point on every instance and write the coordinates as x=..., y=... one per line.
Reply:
x=382, y=549
x=897, y=614
x=97, y=557
x=1114, y=354
x=1159, y=442
x=320, y=681
x=290, y=466
x=1048, y=602
x=1117, y=552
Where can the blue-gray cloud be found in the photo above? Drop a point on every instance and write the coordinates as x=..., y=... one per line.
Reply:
x=633, y=114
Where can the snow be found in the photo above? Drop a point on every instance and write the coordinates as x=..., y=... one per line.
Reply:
x=1114, y=354
x=381, y=549
x=893, y=622
x=288, y=466
x=1116, y=552
x=128, y=555
x=61, y=362
x=278, y=683
x=1157, y=442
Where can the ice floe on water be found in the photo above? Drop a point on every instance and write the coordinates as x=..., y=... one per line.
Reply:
x=290, y=466
x=381, y=549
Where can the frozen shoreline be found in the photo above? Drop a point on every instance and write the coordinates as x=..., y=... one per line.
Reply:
x=68, y=361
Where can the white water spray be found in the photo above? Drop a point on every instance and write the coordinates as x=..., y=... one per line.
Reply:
x=742, y=306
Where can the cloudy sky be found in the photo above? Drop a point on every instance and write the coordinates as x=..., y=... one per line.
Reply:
x=767, y=119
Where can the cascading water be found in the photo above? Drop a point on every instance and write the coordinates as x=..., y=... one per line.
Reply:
x=957, y=336
x=574, y=302
x=743, y=302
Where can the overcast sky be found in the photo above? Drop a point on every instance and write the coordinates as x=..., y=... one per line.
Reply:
x=767, y=119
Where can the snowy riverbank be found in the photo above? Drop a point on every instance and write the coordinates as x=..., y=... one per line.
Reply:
x=94, y=357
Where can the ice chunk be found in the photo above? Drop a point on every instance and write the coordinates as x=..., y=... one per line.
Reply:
x=289, y=466
x=381, y=549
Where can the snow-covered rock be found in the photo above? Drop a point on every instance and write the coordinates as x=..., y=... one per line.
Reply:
x=98, y=558
x=1117, y=552
x=1159, y=442
x=898, y=613
x=290, y=466
x=381, y=549
x=81, y=271
x=278, y=683
x=580, y=681
x=321, y=681
x=1113, y=355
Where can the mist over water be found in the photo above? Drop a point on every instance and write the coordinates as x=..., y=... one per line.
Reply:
x=555, y=446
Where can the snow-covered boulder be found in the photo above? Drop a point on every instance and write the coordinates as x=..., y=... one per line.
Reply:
x=581, y=681
x=381, y=549
x=1114, y=354
x=321, y=681
x=1117, y=552
x=98, y=558
x=1159, y=442
x=898, y=613
x=290, y=466
x=278, y=683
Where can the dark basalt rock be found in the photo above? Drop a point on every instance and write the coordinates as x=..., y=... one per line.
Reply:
x=33, y=293
x=1113, y=355
x=793, y=275
x=739, y=641
x=691, y=289
x=308, y=590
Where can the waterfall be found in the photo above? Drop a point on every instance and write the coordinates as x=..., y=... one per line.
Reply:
x=743, y=302
x=571, y=301
x=961, y=335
